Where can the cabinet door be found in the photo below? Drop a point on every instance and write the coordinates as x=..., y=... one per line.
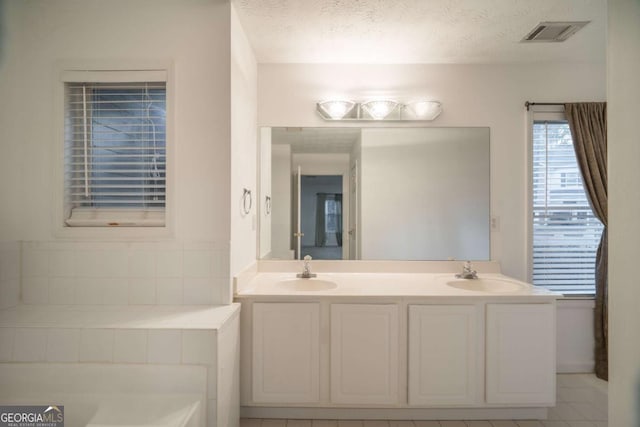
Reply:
x=286, y=352
x=521, y=364
x=364, y=353
x=443, y=354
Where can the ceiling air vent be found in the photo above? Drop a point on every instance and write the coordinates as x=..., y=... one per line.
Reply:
x=549, y=32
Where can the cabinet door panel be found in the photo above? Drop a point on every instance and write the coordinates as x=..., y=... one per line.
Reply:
x=443, y=354
x=364, y=353
x=286, y=352
x=521, y=354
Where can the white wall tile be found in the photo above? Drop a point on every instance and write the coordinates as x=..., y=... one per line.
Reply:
x=197, y=264
x=35, y=290
x=164, y=346
x=212, y=382
x=193, y=245
x=115, y=290
x=10, y=263
x=221, y=263
x=142, y=264
x=169, y=290
x=198, y=291
x=222, y=292
x=101, y=263
x=212, y=412
x=198, y=347
x=35, y=263
x=62, y=290
x=63, y=345
x=30, y=345
x=142, y=290
x=169, y=264
x=88, y=263
x=6, y=343
x=130, y=346
x=62, y=264
x=9, y=293
x=89, y=291
x=96, y=345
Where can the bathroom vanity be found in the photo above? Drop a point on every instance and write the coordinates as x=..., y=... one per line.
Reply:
x=416, y=345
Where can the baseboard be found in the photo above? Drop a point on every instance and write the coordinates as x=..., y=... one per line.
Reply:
x=395, y=413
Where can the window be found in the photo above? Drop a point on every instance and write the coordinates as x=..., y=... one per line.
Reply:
x=115, y=151
x=566, y=234
x=332, y=215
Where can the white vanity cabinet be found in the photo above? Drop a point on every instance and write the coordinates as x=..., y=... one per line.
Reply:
x=286, y=352
x=521, y=354
x=364, y=353
x=445, y=355
x=452, y=357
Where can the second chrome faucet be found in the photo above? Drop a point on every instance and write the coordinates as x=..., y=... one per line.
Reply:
x=306, y=269
x=467, y=272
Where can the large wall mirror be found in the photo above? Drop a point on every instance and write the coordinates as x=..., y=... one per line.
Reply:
x=374, y=193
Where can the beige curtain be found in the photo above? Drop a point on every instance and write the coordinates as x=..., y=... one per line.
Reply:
x=588, y=123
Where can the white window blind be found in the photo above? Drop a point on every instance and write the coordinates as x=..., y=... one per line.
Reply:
x=566, y=234
x=115, y=153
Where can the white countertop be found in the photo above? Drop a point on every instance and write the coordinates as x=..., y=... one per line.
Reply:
x=118, y=316
x=386, y=285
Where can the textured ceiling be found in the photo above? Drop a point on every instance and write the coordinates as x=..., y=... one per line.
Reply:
x=418, y=31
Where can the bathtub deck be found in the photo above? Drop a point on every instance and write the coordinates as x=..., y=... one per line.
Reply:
x=117, y=316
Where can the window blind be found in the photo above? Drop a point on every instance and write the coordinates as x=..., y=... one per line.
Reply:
x=566, y=234
x=115, y=143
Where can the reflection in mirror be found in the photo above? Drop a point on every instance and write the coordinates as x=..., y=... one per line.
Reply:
x=375, y=193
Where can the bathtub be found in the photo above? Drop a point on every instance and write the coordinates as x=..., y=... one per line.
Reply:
x=96, y=395
x=123, y=365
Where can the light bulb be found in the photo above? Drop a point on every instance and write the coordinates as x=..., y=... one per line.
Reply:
x=336, y=109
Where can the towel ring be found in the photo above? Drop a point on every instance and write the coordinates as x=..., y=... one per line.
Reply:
x=267, y=205
x=247, y=199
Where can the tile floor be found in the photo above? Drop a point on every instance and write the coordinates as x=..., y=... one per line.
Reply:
x=581, y=402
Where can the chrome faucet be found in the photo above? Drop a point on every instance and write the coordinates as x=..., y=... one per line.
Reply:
x=306, y=269
x=467, y=272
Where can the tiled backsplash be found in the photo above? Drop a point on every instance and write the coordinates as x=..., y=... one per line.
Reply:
x=124, y=273
x=9, y=274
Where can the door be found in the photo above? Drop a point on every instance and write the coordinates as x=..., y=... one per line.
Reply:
x=364, y=353
x=444, y=354
x=521, y=354
x=286, y=352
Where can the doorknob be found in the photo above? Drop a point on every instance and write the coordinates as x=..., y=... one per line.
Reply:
x=298, y=234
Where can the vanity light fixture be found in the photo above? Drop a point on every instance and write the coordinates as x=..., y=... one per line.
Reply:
x=425, y=110
x=336, y=109
x=379, y=109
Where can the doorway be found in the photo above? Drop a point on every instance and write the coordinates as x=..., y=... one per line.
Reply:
x=321, y=216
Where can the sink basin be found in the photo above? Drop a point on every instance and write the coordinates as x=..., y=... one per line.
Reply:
x=487, y=285
x=307, y=285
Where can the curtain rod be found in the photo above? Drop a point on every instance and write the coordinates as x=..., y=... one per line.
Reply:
x=529, y=103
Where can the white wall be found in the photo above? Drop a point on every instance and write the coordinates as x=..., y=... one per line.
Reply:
x=623, y=92
x=405, y=213
x=281, y=185
x=244, y=155
x=472, y=95
x=193, y=38
x=575, y=342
